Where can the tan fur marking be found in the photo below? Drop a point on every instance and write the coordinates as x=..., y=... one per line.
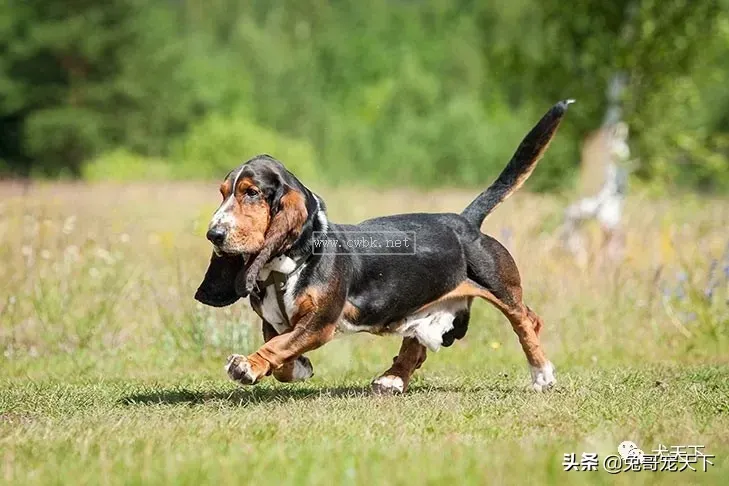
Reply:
x=252, y=219
x=350, y=312
x=305, y=303
x=225, y=189
x=244, y=184
x=285, y=347
x=464, y=289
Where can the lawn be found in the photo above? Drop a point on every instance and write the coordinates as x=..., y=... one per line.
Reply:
x=112, y=374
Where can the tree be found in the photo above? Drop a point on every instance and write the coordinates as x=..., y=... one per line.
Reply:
x=82, y=76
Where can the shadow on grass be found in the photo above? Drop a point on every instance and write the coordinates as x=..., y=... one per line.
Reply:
x=240, y=397
x=283, y=393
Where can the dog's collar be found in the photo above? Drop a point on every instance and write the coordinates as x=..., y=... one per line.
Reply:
x=280, y=268
x=277, y=273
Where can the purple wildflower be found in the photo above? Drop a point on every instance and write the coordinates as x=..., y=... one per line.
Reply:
x=711, y=282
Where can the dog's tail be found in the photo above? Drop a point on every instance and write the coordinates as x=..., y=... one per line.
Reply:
x=519, y=167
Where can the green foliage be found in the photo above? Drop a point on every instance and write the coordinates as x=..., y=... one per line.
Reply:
x=59, y=138
x=81, y=78
x=123, y=165
x=668, y=51
x=425, y=93
x=218, y=143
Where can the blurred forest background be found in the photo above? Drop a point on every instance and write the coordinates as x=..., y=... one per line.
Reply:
x=393, y=92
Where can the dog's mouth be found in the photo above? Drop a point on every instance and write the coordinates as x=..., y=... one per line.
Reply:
x=247, y=257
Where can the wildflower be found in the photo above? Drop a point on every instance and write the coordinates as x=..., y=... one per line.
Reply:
x=666, y=291
x=104, y=255
x=682, y=278
x=69, y=224
x=680, y=294
x=711, y=283
x=71, y=253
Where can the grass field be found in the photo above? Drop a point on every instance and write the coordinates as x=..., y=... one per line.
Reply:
x=112, y=374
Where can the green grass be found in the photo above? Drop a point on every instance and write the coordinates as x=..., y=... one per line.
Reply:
x=113, y=374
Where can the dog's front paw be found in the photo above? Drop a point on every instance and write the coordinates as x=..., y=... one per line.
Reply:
x=388, y=385
x=239, y=369
x=543, y=377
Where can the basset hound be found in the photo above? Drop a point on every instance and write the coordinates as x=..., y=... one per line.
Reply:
x=414, y=275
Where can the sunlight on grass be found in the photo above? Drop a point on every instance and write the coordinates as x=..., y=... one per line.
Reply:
x=111, y=369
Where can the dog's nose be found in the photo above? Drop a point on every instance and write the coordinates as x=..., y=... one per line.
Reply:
x=216, y=235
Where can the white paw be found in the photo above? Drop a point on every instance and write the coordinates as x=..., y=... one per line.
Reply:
x=303, y=369
x=543, y=378
x=239, y=369
x=388, y=385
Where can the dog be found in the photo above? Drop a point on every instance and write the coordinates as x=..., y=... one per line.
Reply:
x=268, y=236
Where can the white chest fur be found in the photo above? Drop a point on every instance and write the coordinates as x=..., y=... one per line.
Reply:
x=269, y=305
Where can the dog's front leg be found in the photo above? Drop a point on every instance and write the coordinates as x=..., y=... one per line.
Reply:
x=298, y=369
x=310, y=332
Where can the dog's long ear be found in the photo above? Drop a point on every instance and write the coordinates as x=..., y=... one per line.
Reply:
x=288, y=215
x=218, y=288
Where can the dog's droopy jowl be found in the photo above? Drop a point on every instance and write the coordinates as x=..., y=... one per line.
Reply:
x=419, y=283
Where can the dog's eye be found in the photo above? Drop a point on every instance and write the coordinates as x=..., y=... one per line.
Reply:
x=252, y=192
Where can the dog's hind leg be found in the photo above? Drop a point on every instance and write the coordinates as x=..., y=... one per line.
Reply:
x=491, y=266
x=395, y=380
x=527, y=325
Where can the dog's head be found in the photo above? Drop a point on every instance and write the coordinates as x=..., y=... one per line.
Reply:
x=264, y=211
